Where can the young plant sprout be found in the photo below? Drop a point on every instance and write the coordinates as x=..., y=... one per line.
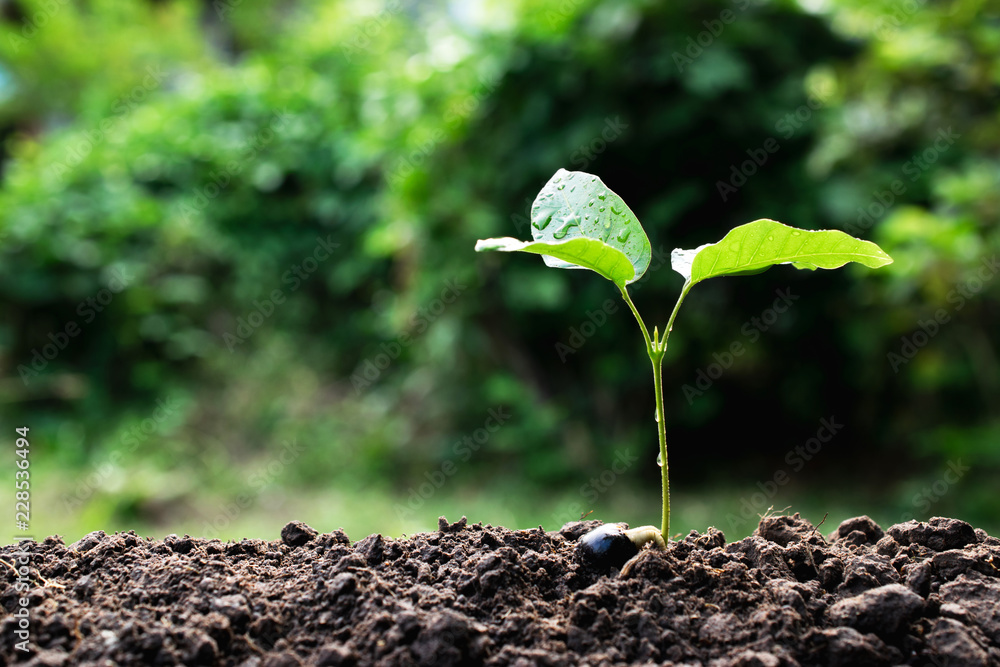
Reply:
x=577, y=222
x=612, y=545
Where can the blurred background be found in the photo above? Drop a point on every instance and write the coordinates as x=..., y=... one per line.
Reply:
x=238, y=284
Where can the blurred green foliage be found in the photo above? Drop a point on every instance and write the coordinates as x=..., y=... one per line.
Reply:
x=262, y=215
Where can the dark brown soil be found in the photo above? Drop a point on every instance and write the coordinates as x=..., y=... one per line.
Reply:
x=917, y=594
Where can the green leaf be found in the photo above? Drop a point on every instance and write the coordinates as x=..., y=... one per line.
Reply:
x=578, y=253
x=758, y=245
x=577, y=206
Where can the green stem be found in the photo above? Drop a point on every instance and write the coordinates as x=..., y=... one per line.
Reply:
x=650, y=343
x=670, y=323
x=661, y=428
x=656, y=349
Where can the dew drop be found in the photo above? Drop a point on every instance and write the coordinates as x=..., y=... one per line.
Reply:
x=607, y=225
x=616, y=211
x=541, y=224
x=795, y=233
x=561, y=187
x=659, y=459
x=656, y=416
x=770, y=237
x=590, y=203
x=601, y=209
x=623, y=237
x=564, y=230
x=602, y=196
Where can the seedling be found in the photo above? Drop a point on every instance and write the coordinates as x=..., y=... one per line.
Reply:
x=612, y=545
x=577, y=222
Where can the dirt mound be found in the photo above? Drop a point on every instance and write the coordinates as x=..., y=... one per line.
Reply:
x=915, y=594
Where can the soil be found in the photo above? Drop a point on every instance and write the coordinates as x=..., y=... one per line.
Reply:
x=915, y=594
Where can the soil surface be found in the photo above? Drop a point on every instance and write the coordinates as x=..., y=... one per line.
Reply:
x=915, y=594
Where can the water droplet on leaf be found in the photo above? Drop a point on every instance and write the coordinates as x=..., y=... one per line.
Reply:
x=564, y=230
x=541, y=224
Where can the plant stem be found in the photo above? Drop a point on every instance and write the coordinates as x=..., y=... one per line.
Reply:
x=650, y=343
x=656, y=349
x=670, y=323
x=661, y=428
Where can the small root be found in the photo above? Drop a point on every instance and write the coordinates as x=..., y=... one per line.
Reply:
x=634, y=561
x=643, y=535
x=640, y=537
